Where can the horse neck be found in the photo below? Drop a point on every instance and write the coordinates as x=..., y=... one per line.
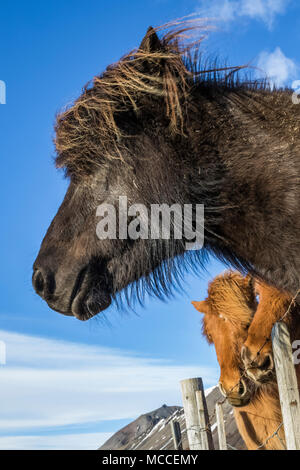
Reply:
x=243, y=162
x=258, y=420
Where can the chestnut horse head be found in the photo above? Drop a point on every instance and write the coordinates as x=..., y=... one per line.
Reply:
x=228, y=311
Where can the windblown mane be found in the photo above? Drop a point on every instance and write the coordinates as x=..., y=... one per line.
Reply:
x=89, y=128
x=160, y=77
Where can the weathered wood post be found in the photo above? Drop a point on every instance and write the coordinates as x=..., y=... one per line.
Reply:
x=287, y=385
x=189, y=388
x=205, y=431
x=176, y=434
x=221, y=427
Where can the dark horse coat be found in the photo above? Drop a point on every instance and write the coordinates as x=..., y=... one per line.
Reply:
x=160, y=128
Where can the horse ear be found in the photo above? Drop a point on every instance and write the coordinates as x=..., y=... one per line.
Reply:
x=151, y=42
x=202, y=306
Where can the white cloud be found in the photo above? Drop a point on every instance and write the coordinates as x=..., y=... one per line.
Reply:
x=229, y=10
x=48, y=383
x=88, y=441
x=278, y=68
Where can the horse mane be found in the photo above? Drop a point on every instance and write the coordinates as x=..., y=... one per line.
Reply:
x=158, y=78
x=164, y=69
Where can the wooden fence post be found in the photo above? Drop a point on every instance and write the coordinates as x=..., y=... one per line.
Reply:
x=205, y=431
x=189, y=388
x=221, y=427
x=287, y=385
x=176, y=434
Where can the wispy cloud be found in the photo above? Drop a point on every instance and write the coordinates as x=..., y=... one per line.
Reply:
x=53, y=384
x=88, y=441
x=230, y=10
x=279, y=69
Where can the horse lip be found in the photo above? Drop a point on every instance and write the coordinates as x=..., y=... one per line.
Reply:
x=239, y=405
x=63, y=312
x=77, y=286
x=80, y=309
x=81, y=304
x=240, y=402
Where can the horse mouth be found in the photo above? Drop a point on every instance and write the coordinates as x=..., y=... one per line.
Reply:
x=87, y=304
x=236, y=403
x=239, y=401
x=87, y=299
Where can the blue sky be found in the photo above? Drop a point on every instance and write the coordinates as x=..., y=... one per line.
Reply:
x=68, y=384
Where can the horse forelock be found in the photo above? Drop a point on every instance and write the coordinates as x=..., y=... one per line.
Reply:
x=231, y=297
x=89, y=129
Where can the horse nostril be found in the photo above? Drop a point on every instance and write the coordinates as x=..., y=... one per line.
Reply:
x=242, y=388
x=244, y=353
x=268, y=363
x=44, y=284
x=38, y=281
x=222, y=390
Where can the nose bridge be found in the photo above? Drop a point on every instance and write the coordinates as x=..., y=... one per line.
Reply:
x=50, y=263
x=56, y=244
x=230, y=374
x=229, y=378
x=67, y=268
x=69, y=238
x=50, y=245
x=226, y=355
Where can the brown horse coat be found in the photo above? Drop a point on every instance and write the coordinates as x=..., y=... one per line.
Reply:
x=230, y=312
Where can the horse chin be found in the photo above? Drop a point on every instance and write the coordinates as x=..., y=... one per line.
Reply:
x=90, y=295
x=85, y=305
x=239, y=402
x=63, y=312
